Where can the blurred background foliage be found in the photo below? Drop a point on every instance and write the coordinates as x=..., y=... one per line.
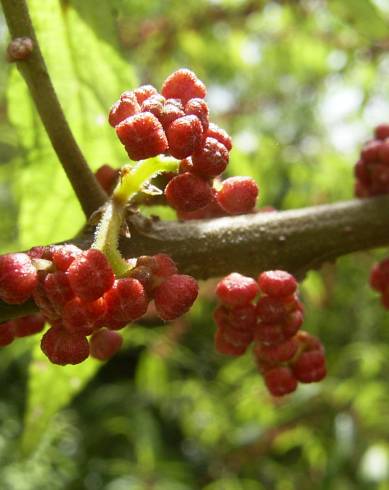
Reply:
x=300, y=86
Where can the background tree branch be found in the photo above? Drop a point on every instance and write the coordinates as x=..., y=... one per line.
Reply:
x=34, y=71
x=296, y=240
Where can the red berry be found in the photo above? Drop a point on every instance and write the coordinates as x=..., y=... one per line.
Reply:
x=183, y=84
x=198, y=107
x=224, y=345
x=272, y=309
x=241, y=318
x=269, y=333
x=104, y=344
x=310, y=366
x=238, y=195
x=277, y=353
x=280, y=381
x=63, y=256
x=107, y=177
x=142, y=135
x=57, y=288
x=384, y=152
x=361, y=172
x=7, y=333
x=382, y=131
x=144, y=92
x=370, y=151
x=18, y=278
x=90, y=275
x=211, y=160
x=219, y=134
x=188, y=192
x=126, y=301
x=379, y=275
x=277, y=283
x=28, y=325
x=125, y=107
x=154, y=104
x=184, y=136
x=235, y=289
x=63, y=347
x=170, y=113
x=82, y=317
x=175, y=296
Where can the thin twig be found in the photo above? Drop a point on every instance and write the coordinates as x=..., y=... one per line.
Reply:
x=34, y=71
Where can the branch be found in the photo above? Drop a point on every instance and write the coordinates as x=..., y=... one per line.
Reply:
x=34, y=71
x=296, y=240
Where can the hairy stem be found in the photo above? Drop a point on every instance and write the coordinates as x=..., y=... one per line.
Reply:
x=296, y=240
x=34, y=71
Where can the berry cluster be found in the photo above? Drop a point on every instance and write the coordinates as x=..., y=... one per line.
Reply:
x=372, y=169
x=78, y=294
x=176, y=122
x=283, y=354
x=20, y=327
x=379, y=280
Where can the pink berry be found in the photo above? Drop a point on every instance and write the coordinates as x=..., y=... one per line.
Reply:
x=90, y=275
x=63, y=347
x=280, y=381
x=236, y=289
x=184, y=136
x=188, y=192
x=310, y=367
x=154, y=104
x=211, y=160
x=277, y=283
x=198, y=107
x=228, y=345
x=382, y=131
x=219, y=134
x=126, y=301
x=144, y=92
x=238, y=195
x=28, y=325
x=57, y=288
x=142, y=135
x=125, y=107
x=82, y=317
x=183, y=84
x=175, y=296
x=18, y=278
x=105, y=343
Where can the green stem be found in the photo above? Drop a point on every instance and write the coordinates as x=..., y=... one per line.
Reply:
x=132, y=180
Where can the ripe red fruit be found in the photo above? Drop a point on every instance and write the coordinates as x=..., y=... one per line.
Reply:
x=198, y=107
x=107, y=177
x=154, y=104
x=63, y=347
x=142, y=135
x=220, y=134
x=82, y=317
x=310, y=366
x=280, y=381
x=225, y=345
x=236, y=289
x=183, y=84
x=277, y=283
x=125, y=107
x=104, y=344
x=188, y=192
x=184, y=136
x=18, y=278
x=57, y=288
x=272, y=309
x=28, y=325
x=126, y=301
x=277, y=353
x=382, y=131
x=7, y=333
x=144, y=92
x=64, y=255
x=237, y=195
x=170, y=113
x=379, y=275
x=370, y=151
x=211, y=160
x=90, y=275
x=175, y=296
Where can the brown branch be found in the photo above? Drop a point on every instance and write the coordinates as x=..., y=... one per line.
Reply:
x=296, y=240
x=34, y=71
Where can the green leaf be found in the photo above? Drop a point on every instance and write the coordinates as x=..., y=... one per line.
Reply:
x=89, y=75
x=50, y=388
